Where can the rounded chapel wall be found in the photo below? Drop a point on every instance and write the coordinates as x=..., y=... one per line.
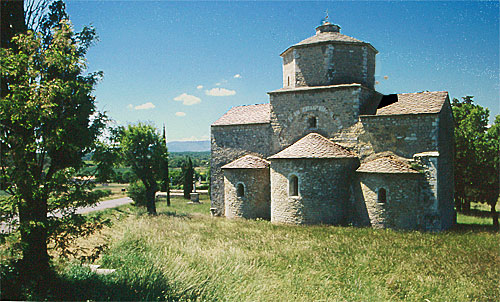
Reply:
x=404, y=207
x=323, y=190
x=255, y=203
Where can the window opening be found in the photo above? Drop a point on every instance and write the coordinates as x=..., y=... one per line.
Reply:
x=312, y=122
x=293, y=189
x=240, y=190
x=382, y=195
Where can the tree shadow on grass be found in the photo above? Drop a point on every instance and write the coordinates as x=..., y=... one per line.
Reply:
x=473, y=227
x=175, y=214
x=81, y=284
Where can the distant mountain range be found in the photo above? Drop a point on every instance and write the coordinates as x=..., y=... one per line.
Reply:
x=188, y=146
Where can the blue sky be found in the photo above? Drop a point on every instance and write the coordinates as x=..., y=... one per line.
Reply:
x=186, y=63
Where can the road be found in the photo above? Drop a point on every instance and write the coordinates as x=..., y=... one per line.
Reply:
x=6, y=227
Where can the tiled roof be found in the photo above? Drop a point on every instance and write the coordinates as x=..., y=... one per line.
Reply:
x=328, y=37
x=415, y=103
x=247, y=162
x=314, y=145
x=251, y=114
x=386, y=164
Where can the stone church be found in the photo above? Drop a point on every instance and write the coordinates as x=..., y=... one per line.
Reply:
x=329, y=149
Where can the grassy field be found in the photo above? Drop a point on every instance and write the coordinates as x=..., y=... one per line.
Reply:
x=184, y=254
x=116, y=190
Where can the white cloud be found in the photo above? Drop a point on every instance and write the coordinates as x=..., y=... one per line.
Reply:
x=144, y=106
x=218, y=84
x=187, y=99
x=237, y=76
x=199, y=87
x=180, y=113
x=220, y=92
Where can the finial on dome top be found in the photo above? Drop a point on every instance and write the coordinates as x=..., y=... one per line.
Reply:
x=326, y=26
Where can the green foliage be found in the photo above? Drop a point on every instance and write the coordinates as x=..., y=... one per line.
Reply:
x=189, y=255
x=143, y=149
x=199, y=159
x=476, y=156
x=177, y=178
x=137, y=192
x=102, y=193
x=188, y=177
x=48, y=121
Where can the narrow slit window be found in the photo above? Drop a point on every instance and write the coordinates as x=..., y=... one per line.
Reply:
x=312, y=122
x=293, y=189
x=240, y=190
x=382, y=195
x=288, y=81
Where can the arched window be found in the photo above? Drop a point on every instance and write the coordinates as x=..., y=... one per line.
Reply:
x=312, y=122
x=240, y=190
x=293, y=186
x=382, y=195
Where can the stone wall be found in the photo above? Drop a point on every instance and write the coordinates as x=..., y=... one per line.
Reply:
x=335, y=107
x=323, y=190
x=404, y=208
x=255, y=203
x=404, y=135
x=446, y=177
x=228, y=143
x=330, y=64
x=289, y=69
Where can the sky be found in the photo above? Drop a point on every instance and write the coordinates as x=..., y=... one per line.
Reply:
x=184, y=64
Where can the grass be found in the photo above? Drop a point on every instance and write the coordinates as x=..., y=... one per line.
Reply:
x=184, y=254
x=116, y=190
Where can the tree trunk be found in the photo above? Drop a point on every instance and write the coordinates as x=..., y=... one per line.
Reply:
x=494, y=216
x=150, y=195
x=168, y=193
x=458, y=204
x=33, y=227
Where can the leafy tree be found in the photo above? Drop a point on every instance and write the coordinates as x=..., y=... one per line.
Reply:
x=48, y=121
x=105, y=163
x=141, y=147
x=188, y=174
x=476, y=156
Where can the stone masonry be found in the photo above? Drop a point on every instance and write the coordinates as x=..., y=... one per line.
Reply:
x=329, y=149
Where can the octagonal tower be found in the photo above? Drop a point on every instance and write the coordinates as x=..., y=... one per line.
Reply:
x=329, y=58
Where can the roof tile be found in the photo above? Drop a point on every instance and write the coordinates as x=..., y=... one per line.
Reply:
x=247, y=162
x=415, y=103
x=386, y=164
x=314, y=145
x=241, y=115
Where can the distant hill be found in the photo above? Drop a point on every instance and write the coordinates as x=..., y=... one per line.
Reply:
x=188, y=146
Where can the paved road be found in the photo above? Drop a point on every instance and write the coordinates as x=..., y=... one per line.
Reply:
x=107, y=204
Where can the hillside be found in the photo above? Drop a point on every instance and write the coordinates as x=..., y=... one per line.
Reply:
x=188, y=146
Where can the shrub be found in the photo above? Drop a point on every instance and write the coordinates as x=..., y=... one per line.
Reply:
x=137, y=191
x=102, y=193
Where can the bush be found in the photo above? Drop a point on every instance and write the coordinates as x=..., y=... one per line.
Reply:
x=137, y=191
x=102, y=193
